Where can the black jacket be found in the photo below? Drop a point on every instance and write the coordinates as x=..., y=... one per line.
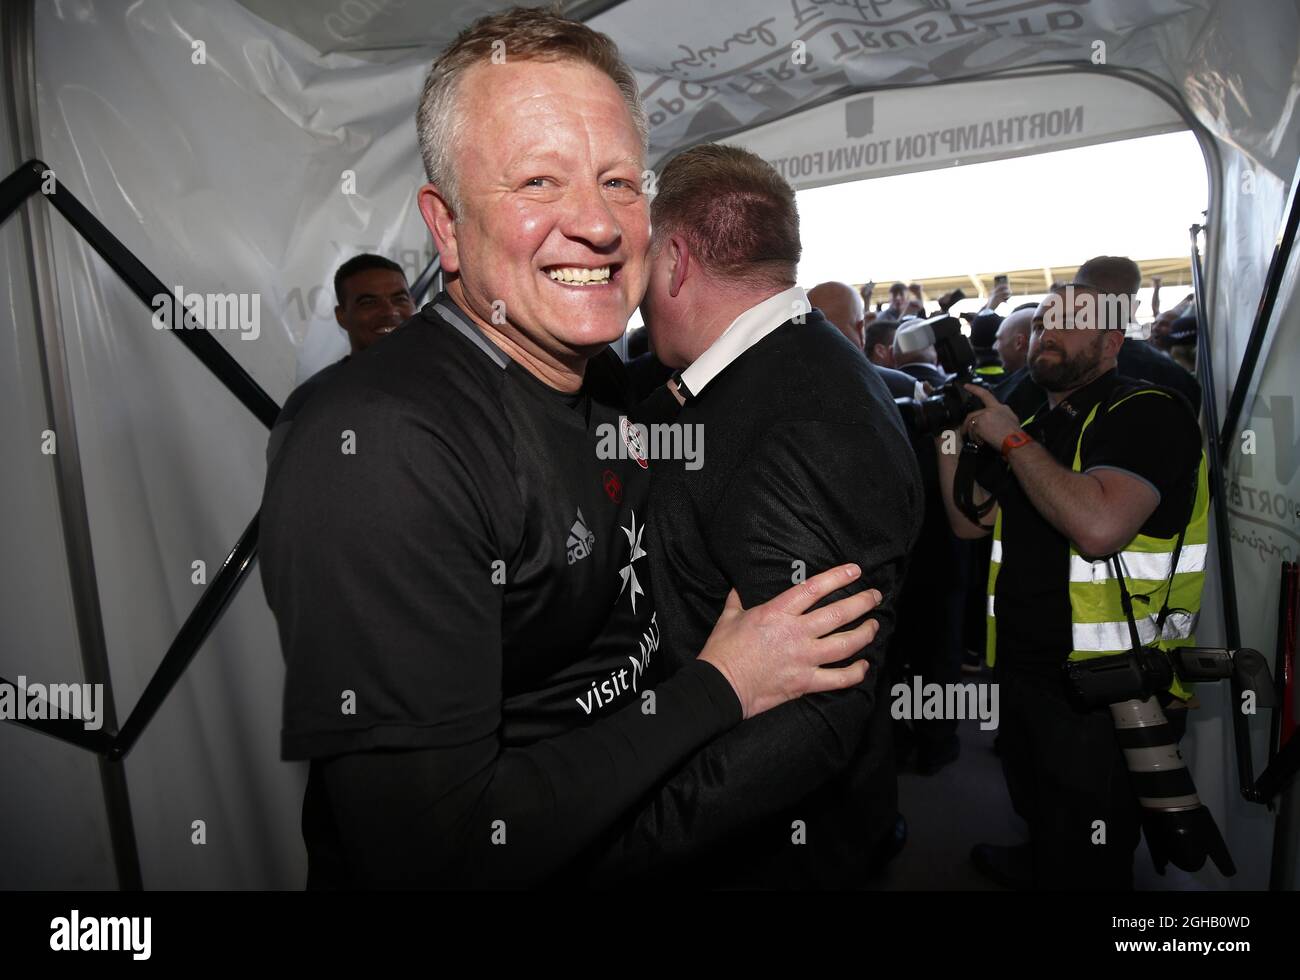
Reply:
x=930, y=373
x=806, y=465
x=900, y=383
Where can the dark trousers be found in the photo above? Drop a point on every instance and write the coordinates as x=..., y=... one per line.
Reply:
x=1065, y=772
x=977, y=599
x=927, y=642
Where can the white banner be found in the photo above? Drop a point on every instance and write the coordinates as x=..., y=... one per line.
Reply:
x=907, y=130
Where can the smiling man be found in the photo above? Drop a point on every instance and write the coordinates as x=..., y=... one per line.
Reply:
x=472, y=658
x=373, y=301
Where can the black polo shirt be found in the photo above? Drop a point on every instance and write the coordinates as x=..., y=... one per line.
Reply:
x=456, y=555
x=1154, y=438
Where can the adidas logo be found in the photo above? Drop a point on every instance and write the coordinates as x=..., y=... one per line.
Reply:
x=581, y=540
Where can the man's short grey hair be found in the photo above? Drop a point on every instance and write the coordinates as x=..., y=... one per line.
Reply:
x=525, y=34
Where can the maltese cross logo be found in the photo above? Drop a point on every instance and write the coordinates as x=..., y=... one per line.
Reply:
x=628, y=571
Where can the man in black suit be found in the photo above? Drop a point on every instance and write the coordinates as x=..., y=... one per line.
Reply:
x=807, y=465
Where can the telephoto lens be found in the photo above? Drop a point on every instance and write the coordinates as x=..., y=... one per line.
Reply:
x=1179, y=828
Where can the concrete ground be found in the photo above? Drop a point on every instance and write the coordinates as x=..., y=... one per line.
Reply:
x=963, y=804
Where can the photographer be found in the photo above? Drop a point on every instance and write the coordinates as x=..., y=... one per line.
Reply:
x=1106, y=467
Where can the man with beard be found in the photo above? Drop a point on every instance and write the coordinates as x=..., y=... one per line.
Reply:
x=1117, y=278
x=1107, y=468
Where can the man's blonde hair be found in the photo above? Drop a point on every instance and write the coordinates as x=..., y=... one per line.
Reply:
x=525, y=34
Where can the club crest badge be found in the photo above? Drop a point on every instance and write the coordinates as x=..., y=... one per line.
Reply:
x=632, y=440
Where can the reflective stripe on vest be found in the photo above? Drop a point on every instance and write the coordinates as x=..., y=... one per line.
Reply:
x=1098, y=624
x=1107, y=638
x=1137, y=565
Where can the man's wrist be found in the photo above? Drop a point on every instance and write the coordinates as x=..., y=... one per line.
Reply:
x=1014, y=441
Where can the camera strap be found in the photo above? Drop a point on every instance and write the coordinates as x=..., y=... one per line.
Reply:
x=1169, y=585
x=963, y=488
x=1126, y=601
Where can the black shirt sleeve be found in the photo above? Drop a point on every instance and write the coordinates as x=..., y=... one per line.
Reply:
x=379, y=565
x=820, y=494
x=1152, y=435
x=478, y=816
x=293, y=405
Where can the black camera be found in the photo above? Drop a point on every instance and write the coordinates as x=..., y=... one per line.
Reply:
x=1135, y=675
x=948, y=407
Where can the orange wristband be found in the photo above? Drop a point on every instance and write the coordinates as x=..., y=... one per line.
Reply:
x=1014, y=441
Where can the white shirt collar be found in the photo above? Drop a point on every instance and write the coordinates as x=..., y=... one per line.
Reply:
x=745, y=331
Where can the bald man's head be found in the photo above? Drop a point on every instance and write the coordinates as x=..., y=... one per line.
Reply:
x=1012, y=339
x=842, y=305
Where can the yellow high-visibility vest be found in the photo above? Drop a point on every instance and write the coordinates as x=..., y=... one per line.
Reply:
x=1097, y=620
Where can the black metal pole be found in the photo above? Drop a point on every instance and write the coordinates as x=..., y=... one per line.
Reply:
x=147, y=286
x=200, y=622
x=1259, y=329
x=1227, y=578
x=1284, y=598
x=1280, y=772
x=112, y=745
x=426, y=279
x=202, y=619
x=1209, y=402
x=1286, y=838
x=17, y=38
x=27, y=181
x=16, y=188
x=70, y=730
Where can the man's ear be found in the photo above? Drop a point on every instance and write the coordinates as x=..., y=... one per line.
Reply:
x=680, y=253
x=338, y=316
x=1114, y=341
x=441, y=220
